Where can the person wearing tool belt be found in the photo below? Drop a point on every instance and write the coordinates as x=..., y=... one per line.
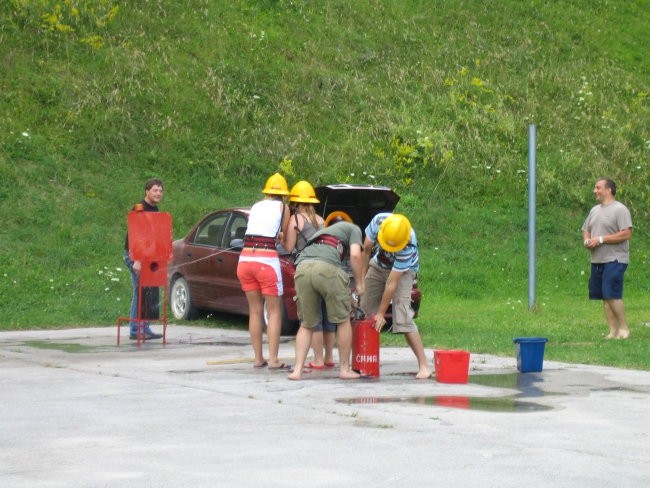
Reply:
x=304, y=223
x=259, y=271
x=320, y=276
x=389, y=269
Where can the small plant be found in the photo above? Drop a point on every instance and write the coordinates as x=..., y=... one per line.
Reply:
x=82, y=20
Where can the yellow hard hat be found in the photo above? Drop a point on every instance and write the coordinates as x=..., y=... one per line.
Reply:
x=303, y=192
x=337, y=216
x=276, y=185
x=394, y=233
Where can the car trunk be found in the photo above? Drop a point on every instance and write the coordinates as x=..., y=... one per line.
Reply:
x=360, y=202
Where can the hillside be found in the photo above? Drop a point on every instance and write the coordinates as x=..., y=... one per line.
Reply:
x=432, y=98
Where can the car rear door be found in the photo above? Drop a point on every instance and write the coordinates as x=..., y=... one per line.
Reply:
x=200, y=266
x=229, y=294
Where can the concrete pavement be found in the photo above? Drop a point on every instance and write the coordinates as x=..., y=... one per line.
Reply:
x=77, y=411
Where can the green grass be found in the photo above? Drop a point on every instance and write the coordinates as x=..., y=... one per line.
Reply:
x=574, y=326
x=431, y=98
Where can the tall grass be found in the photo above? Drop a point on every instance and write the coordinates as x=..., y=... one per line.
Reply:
x=432, y=98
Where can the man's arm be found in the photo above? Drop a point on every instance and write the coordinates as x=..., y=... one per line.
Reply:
x=618, y=237
x=356, y=263
x=367, y=254
x=389, y=291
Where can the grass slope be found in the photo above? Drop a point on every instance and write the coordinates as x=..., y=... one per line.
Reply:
x=432, y=98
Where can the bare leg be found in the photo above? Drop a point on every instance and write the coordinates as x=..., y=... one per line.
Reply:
x=303, y=340
x=274, y=328
x=256, y=324
x=415, y=342
x=615, y=312
x=317, y=347
x=611, y=320
x=328, y=339
x=344, y=338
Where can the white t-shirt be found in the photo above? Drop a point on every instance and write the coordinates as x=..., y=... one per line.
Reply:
x=265, y=218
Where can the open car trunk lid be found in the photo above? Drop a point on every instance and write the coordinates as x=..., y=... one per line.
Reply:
x=360, y=202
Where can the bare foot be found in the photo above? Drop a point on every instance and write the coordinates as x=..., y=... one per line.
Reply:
x=623, y=334
x=423, y=374
x=348, y=374
x=611, y=335
x=295, y=375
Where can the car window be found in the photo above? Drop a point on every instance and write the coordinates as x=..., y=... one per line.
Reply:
x=211, y=231
x=237, y=228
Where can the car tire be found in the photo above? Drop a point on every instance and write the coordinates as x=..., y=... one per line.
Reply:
x=288, y=327
x=180, y=300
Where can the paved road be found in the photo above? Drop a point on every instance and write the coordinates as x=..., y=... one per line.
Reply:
x=77, y=411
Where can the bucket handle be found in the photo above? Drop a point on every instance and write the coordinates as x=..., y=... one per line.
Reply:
x=359, y=313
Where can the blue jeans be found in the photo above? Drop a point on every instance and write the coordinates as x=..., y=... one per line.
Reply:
x=133, y=314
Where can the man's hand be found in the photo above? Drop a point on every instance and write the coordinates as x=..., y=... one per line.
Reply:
x=380, y=321
x=137, y=266
x=360, y=288
x=593, y=242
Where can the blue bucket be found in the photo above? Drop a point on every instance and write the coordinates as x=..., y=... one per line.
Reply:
x=530, y=353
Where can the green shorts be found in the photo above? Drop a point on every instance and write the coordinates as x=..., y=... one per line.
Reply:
x=315, y=281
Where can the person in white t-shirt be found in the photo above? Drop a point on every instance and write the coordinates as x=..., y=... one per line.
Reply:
x=259, y=270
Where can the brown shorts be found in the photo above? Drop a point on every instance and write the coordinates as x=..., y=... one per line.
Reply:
x=402, y=312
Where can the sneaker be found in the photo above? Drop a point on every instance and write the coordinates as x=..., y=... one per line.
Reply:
x=148, y=335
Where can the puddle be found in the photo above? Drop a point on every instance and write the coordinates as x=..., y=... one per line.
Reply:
x=528, y=384
x=556, y=382
x=498, y=404
x=525, y=386
x=61, y=346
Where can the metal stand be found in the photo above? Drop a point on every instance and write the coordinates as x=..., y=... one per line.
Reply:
x=141, y=320
x=150, y=242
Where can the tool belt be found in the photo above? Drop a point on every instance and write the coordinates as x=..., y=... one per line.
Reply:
x=259, y=242
x=329, y=240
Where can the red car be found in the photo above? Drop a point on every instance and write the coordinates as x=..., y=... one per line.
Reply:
x=203, y=273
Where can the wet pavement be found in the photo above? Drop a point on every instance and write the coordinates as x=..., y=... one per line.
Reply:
x=78, y=411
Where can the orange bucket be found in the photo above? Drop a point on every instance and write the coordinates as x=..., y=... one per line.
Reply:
x=365, y=347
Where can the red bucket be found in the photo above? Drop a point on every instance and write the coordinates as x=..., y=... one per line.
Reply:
x=451, y=366
x=365, y=347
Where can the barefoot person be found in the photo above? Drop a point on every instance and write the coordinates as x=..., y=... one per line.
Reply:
x=320, y=276
x=389, y=270
x=304, y=223
x=606, y=233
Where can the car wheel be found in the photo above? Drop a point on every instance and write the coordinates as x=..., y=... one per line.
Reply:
x=180, y=300
x=288, y=327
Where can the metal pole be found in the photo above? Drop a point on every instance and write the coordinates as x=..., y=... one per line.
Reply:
x=532, y=136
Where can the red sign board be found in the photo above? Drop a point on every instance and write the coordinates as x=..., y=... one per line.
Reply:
x=150, y=241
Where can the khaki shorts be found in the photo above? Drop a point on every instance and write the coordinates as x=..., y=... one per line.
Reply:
x=402, y=312
x=316, y=281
